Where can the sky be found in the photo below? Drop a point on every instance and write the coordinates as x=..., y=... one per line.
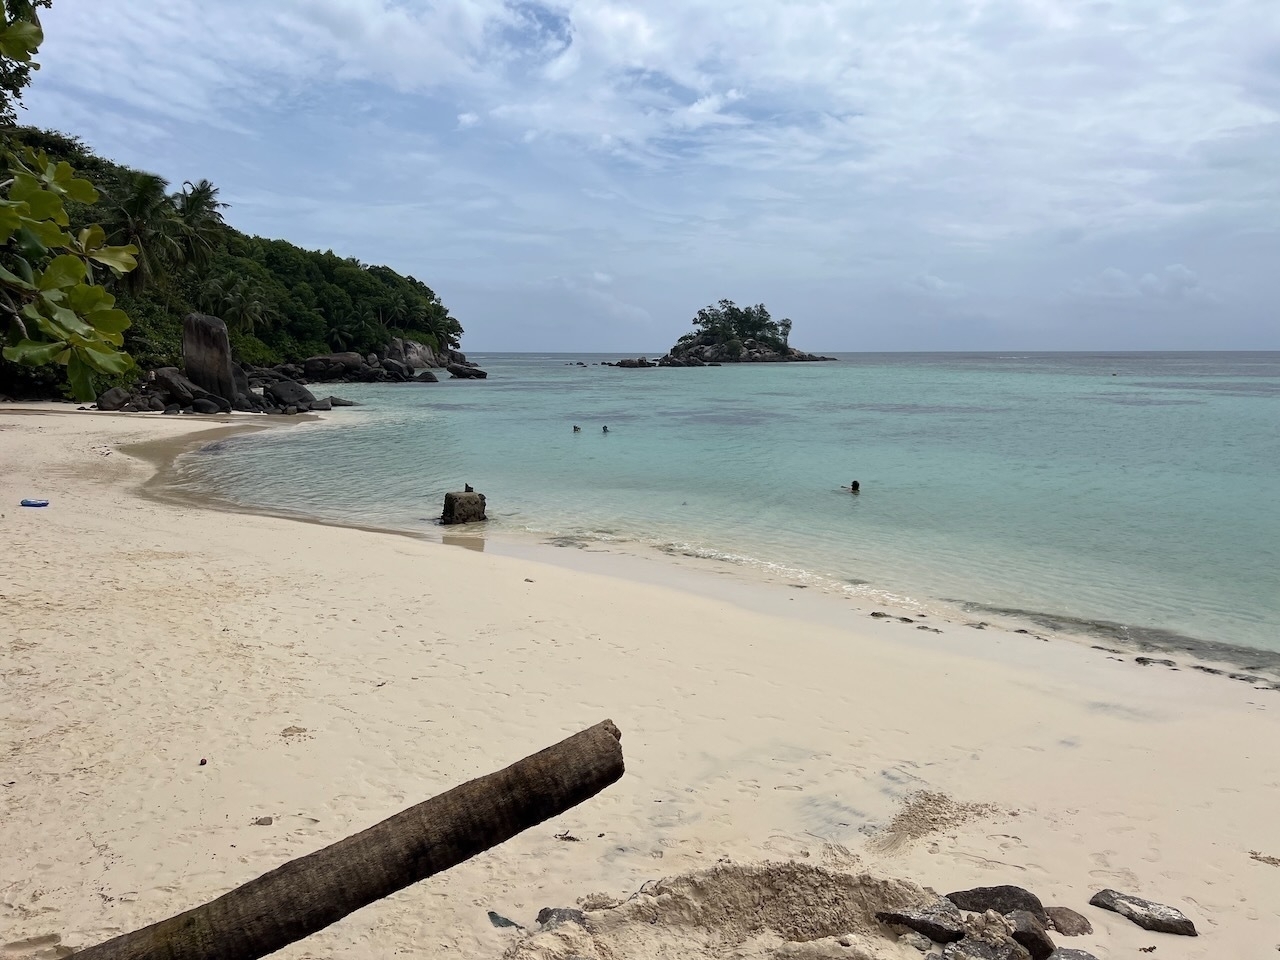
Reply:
x=584, y=175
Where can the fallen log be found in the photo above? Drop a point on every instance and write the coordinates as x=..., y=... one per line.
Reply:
x=308, y=894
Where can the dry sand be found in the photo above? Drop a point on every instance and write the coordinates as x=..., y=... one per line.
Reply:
x=332, y=677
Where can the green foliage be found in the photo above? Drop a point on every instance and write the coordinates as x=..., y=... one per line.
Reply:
x=20, y=38
x=281, y=303
x=55, y=311
x=729, y=323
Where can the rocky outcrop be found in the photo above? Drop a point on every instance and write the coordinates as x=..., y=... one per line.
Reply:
x=1148, y=915
x=426, y=376
x=206, y=355
x=1002, y=899
x=463, y=371
x=465, y=507
x=710, y=349
x=286, y=393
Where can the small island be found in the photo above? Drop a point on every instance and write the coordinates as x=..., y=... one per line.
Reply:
x=727, y=333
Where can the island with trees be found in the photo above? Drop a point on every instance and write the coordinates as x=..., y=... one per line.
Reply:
x=727, y=333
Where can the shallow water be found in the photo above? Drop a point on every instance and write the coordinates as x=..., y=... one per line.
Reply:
x=1137, y=489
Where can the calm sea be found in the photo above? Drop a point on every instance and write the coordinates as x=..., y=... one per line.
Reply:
x=1138, y=491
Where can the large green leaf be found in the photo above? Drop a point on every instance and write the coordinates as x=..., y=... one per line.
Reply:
x=20, y=39
x=13, y=280
x=111, y=324
x=32, y=354
x=81, y=190
x=104, y=359
x=85, y=298
x=10, y=218
x=49, y=233
x=91, y=238
x=68, y=320
x=81, y=378
x=30, y=246
x=44, y=204
x=64, y=271
x=117, y=258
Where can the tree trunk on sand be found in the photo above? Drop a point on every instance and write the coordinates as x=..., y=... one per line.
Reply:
x=308, y=894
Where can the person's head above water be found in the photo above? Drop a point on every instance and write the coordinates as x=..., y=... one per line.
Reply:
x=854, y=486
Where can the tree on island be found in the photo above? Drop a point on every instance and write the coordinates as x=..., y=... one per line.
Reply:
x=728, y=323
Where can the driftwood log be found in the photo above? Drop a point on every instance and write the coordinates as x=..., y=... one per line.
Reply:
x=308, y=894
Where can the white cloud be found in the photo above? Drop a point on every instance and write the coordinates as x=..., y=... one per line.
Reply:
x=815, y=151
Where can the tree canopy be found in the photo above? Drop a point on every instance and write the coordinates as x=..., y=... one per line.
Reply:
x=726, y=322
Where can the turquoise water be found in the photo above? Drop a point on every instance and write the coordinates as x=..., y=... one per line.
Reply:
x=1140, y=489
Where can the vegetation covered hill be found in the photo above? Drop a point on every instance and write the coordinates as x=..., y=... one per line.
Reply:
x=281, y=303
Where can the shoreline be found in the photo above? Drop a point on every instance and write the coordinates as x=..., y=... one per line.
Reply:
x=631, y=560
x=797, y=732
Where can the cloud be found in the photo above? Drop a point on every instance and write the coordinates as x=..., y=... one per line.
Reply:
x=808, y=155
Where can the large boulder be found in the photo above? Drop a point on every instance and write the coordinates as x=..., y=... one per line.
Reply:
x=467, y=507
x=335, y=366
x=397, y=369
x=426, y=376
x=941, y=922
x=418, y=355
x=1148, y=915
x=464, y=372
x=1001, y=899
x=173, y=387
x=113, y=399
x=206, y=355
x=286, y=393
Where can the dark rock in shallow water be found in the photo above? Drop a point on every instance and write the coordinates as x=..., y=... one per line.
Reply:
x=1001, y=899
x=465, y=507
x=1146, y=914
x=206, y=354
x=940, y=922
x=319, y=406
x=971, y=949
x=426, y=376
x=339, y=402
x=113, y=399
x=1030, y=932
x=550, y=917
x=1068, y=923
x=463, y=372
x=288, y=394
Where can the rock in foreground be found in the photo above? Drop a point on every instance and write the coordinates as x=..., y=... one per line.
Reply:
x=1002, y=899
x=466, y=507
x=1148, y=915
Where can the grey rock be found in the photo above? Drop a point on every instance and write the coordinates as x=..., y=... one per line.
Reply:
x=1066, y=953
x=971, y=949
x=172, y=408
x=1001, y=899
x=426, y=376
x=130, y=408
x=550, y=917
x=321, y=405
x=499, y=921
x=339, y=402
x=463, y=372
x=1146, y=914
x=206, y=355
x=467, y=507
x=240, y=379
x=398, y=370
x=180, y=389
x=1030, y=932
x=941, y=922
x=1068, y=923
x=155, y=403
x=917, y=941
x=113, y=399
x=202, y=405
x=418, y=355
x=288, y=394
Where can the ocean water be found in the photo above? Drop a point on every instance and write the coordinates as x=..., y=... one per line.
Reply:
x=1141, y=491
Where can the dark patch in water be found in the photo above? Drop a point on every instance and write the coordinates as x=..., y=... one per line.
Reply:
x=733, y=418
x=1144, y=638
x=926, y=408
x=1132, y=400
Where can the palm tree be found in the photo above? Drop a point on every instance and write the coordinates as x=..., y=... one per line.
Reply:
x=199, y=211
x=237, y=300
x=142, y=213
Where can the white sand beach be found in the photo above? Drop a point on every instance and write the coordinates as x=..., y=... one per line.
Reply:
x=331, y=677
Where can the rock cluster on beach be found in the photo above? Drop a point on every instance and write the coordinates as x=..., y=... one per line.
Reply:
x=833, y=914
x=214, y=383
x=707, y=350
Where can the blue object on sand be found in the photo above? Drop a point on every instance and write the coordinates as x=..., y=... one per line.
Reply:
x=35, y=503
